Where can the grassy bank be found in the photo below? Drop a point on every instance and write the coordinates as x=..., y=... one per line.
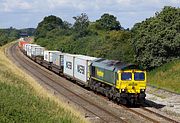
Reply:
x=166, y=76
x=24, y=100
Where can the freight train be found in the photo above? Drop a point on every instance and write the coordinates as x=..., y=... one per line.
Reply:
x=121, y=82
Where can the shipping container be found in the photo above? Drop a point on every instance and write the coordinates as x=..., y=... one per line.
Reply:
x=21, y=43
x=57, y=62
x=48, y=55
x=29, y=49
x=21, y=39
x=37, y=51
x=81, y=68
x=57, y=58
x=69, y=65
x=25, y=47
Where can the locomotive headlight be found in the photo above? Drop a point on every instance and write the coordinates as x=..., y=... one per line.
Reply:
x=122, y=90
x=142, y=90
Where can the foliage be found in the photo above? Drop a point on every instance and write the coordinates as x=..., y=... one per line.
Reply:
x=81, y=25
x=157, y=39
x=84, y=38
x=108, y=22
x=121, y=47
x=11, y=34
x=48, y=24
x=7, y=35
x=150, y=43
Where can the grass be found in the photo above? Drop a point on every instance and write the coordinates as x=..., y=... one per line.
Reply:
x=166, y=76
x=22, y=99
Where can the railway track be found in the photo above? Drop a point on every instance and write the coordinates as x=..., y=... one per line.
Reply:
x=60, y=87
x=101, y=113
x=150, y=115
x=157, y=114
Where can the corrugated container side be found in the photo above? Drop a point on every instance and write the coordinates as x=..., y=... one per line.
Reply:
x=29, y=51
x=37, y=51
x=69, y=65
x=25, y=47
x=57, y=58
x=81, y=67
x=48, y=55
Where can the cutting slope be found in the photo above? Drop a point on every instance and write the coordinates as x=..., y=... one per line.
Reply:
x=166, y=76
x=24, y=100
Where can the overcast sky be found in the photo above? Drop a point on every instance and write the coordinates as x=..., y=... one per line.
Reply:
x=28, y=13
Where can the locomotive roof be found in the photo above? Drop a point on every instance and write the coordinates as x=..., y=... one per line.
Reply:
x=113, y=65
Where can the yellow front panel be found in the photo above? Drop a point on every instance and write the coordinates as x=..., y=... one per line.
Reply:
x=131, y=85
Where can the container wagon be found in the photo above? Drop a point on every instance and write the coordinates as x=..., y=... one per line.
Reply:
x=48, y=58
x=37, y=54
x=57, y=62
x=30, y=49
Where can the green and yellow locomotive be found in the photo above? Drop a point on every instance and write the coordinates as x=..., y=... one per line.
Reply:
x=124, y=83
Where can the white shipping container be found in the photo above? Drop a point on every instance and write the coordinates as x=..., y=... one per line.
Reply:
x=58, y=58
x=81, y=68
x=29, y=49
x=37, y=51
x=21, y=39
x=48, y=55
x=25, y=47
x=69, y=64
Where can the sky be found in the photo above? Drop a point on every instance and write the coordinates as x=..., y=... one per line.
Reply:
x=28, y=13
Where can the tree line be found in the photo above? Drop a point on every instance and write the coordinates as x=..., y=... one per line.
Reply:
x=149, y=43
x=11, y=34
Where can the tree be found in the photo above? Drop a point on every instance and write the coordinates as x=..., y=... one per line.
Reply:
x=8, y=35
x=108, y=22
x=156, y=40
x=66, y=25
x=49, y=23
x=81, y=24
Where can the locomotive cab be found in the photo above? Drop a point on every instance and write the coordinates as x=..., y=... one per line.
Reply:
x=132, y=83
